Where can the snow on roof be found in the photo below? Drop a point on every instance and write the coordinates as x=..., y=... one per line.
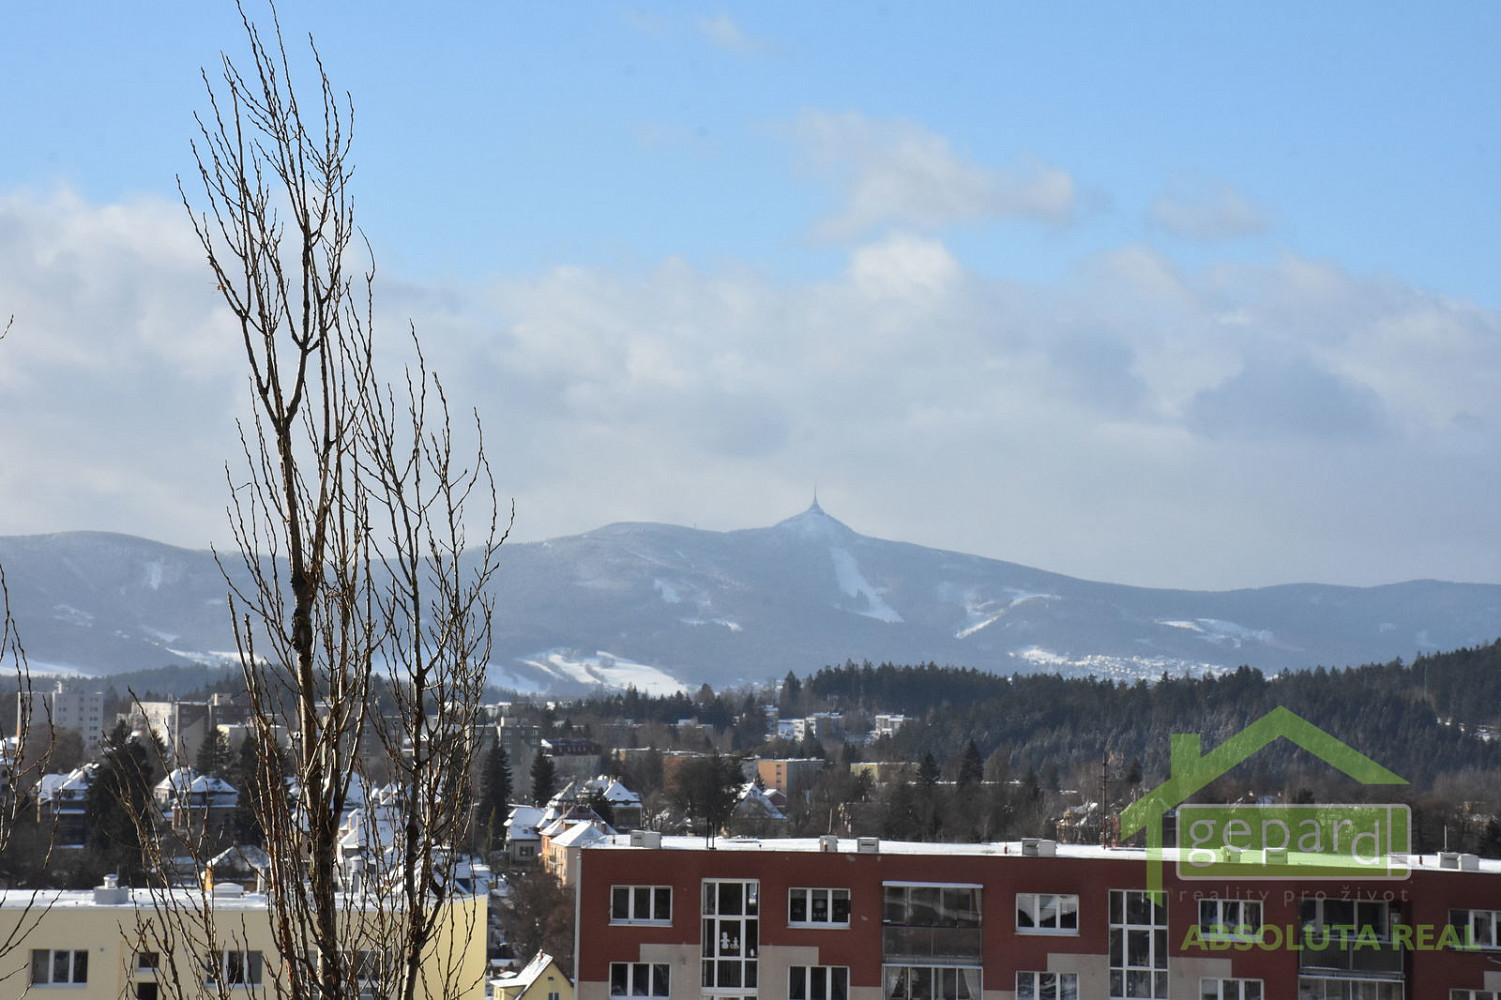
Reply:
x=242, y=856
x=523, y=820
x=1013, y=848
x=755, y=801
x=613, y=791
x=527, y=975
x=581, y=834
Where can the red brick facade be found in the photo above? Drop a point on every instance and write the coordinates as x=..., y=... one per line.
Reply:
x=666, y=951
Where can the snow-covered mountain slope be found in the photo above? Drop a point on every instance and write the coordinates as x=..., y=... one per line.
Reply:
x=660, y=607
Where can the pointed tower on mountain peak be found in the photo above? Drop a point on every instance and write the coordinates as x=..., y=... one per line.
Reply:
x=816, y=521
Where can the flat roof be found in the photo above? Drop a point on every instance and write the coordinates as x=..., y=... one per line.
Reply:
x=1009, y=848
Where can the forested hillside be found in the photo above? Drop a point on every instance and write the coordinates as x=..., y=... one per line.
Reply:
x=1421, y=720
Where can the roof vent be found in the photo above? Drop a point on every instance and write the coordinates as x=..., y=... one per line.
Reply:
x=111, y=893
x=868, y=845
x=1275, y=855
x=1469, y=862
x=1036, y=847
x=646, y=838
x=1448, y=859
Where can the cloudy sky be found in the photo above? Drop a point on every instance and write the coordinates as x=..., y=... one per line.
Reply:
x=1174, y=294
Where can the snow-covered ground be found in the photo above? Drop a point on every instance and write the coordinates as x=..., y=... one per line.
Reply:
x=1221, y=633
x=605, y=669
x=853, y=583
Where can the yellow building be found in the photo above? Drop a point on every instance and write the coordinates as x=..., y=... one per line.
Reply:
x=107, y=944
x=540, y=980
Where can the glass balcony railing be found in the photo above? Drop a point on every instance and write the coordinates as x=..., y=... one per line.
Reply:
x=1381, y=962
x=929, y=944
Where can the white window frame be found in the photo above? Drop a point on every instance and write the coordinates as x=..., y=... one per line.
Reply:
x=76, y=974
x=658, y=977
x=1035, y=904
x=1485, y=924
x=1230, y=919
x=934, y=971
x=1232, y=989
x=809, y=895
x=249, y=965
x=1047, y=986
x=633, y=896
x=1127, y=932
x=730, y=939
x=1475, y=995
x=818, y=982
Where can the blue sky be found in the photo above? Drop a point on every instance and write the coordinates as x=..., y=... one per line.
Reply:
x=1173, y=294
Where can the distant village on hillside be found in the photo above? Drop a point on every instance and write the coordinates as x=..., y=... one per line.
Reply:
x=604, y=846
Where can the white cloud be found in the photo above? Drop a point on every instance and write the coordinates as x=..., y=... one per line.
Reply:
x=1210, y=211
x=1132, y=421
x=892, y=172
x=118, y=373
x=722, y=30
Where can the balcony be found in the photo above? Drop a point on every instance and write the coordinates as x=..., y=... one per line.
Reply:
x=930, y=945
x=1383, y=962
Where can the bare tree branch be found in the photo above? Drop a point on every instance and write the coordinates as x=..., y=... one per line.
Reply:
x=362, y=616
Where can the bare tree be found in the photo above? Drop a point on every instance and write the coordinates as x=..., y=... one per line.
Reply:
x=23, y=760
x=359, y=585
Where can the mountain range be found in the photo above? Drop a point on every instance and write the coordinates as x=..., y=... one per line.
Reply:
x=667, y=608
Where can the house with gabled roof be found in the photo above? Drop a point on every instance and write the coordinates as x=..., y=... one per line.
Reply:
x=541, y=979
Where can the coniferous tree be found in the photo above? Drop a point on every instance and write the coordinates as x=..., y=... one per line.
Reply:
x=119, y=803
x=544, y=778
x=495, y=794
x=242, y=774
x=214, y=756
x=927, y=771
x=971, y=767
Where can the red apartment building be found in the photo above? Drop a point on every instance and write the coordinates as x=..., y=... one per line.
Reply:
x=665, y=918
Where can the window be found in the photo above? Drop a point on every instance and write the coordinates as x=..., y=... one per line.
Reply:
x=1230, y=920
x=56, y=968
x=1474, y=995
x=640, y=904
x=818, y=907
x=146, y=991
x=371, y=969
x=147, y=961
x=234, y=968
x=1047, y=986
x=639, y=979
x=731, y=936
x=1138, y=945
x=1229, y=989
x=1477, y=928
x=931, y=905
x=930, y=982
x=1323, y=915
x=1046, y=913
x=818, y=982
